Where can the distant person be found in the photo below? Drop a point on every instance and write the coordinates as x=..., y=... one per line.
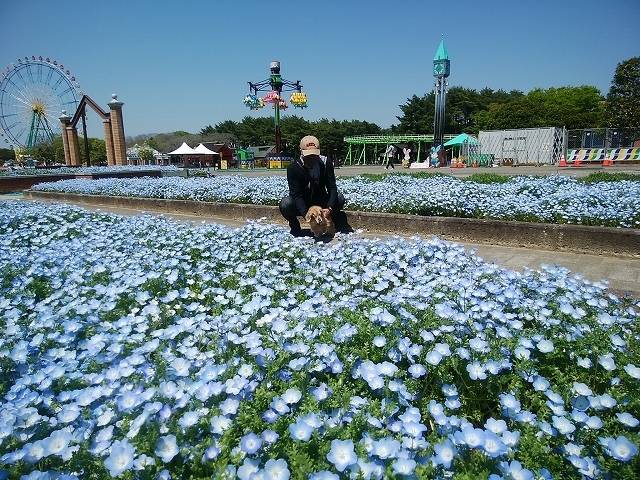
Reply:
x=389, y=156
x=312, y=182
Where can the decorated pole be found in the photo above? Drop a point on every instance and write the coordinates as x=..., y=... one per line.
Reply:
x=441, y=69
x=274, y=86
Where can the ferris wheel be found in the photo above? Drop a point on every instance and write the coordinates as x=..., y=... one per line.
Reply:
x=33, y=93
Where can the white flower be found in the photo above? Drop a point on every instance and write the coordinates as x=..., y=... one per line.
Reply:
x=545, y=346
x=120, y=457
x=291, y=396
x=632, y=371
x=342, y=454
x=166, y=448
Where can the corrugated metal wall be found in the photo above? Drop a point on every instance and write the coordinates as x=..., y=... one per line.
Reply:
x=527, y=146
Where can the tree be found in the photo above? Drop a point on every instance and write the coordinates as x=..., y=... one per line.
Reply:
x=418, y=114
x=145, y=152
x=623, y=101
x=7, y=155
x=97, y=152
x=463, y=104
x=48, y=152
x=571, y=107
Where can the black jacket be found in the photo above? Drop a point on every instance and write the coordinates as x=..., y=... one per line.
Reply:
x=305, y=195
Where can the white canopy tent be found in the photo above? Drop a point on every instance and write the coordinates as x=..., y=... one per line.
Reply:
x=202, y=150
x=184, y=149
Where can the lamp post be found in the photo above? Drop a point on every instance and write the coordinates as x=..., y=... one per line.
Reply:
x=275, y=85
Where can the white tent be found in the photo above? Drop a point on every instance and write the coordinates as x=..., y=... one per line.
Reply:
x=184, y=149
x=202, y=150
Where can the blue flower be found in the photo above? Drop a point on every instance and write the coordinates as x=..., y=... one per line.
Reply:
x=564, y=426
x=250, y=443
x=445, y=452
x=621, y=448
x=545, y=346
x=495, y=426
x=515, y=470
x=403, y=466
x=493, y=445
x=627, y=419
x=607, y=362
x=276, y=470
x=248, y=468
x=476, y=371
x=434, y=357
x=324, y=475
x=386, y=448
x=291, y=396
x=632, y=371
x=342, y=454
x=120, y=458
x=166, y=448
x=300, y=431
x=269, y=436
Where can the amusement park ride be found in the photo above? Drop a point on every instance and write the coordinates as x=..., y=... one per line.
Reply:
x=274, y=86
x=33, y=92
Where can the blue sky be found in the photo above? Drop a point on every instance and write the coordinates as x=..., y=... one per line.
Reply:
x=182, y=65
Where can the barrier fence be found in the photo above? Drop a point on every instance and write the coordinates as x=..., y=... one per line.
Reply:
x=597, y=145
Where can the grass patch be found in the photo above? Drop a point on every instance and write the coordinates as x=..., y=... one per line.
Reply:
x=609, y=177
x=487, y=178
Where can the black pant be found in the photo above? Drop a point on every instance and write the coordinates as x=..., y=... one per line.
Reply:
x=289, y=211
x=389, y=163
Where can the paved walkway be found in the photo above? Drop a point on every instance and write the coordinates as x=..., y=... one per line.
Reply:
x=623, y=274
x=457, y=172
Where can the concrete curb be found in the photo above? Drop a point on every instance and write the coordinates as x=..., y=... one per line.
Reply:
x=545, y=236
x=9, y=184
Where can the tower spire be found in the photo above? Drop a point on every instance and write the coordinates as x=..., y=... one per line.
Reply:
x=441, y=53
x=441, y=69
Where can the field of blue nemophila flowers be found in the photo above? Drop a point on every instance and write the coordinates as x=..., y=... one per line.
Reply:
x=135, y=347
x=554, y=199
x=20, y=172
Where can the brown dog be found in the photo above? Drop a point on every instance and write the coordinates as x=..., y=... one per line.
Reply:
x=320, y=223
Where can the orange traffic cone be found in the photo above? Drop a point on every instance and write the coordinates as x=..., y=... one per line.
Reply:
x=607, y=162
x=563, y=162
x=577, y=162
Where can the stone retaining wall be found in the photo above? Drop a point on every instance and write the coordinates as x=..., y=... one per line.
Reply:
x=18, y=183
x=576, y=238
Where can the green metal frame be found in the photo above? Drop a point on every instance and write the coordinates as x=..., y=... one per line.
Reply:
x=39, y=124
x=361, y=141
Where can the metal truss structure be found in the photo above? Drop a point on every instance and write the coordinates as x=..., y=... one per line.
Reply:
x=357, y=146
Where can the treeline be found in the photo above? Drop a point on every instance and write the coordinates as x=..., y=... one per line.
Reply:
x=166, y=142
x=470, y=111
x=51, y=153
x=260, y=131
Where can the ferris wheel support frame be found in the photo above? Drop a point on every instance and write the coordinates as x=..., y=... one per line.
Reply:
x=38, y=122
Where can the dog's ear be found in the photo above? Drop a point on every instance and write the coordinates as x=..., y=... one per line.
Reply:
x=307, y=217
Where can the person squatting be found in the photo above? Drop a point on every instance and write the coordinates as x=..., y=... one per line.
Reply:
x=312, y=182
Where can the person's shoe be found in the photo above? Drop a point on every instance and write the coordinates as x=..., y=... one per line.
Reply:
x=302, y=232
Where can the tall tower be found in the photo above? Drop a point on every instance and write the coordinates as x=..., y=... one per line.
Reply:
x=440, y=72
